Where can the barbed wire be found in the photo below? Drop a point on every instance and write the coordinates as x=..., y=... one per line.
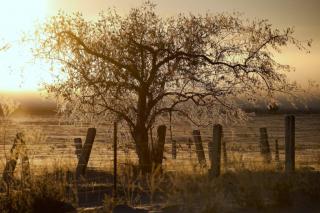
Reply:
x=51, y=146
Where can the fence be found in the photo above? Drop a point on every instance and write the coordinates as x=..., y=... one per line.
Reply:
x=265, y=142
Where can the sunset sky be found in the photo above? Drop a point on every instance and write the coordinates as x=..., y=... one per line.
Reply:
x=18, y=72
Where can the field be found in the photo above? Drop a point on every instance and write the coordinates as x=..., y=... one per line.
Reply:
x=50, y=147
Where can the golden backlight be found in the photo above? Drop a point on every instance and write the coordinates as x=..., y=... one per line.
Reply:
x=17, y=70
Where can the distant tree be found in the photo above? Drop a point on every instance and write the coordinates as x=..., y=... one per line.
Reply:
x=4, y=47
x=141, y=66
x=273, y=106
x=7, y=105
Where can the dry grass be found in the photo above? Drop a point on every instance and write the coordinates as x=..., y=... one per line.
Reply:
x=247, y=190
x=246, y=183
x=256, y=188
x=260, y=188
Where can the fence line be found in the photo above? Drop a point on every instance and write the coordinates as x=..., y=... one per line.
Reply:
x=243, y=147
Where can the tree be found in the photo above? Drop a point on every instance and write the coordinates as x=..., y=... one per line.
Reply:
x=4, y=47
x=142, y=66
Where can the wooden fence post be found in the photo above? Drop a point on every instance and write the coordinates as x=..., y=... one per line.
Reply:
x=189, y=144
x=78, y=146
x=18, y=149
x=158, y=155
x=225, y=155
x=264, y=145
x=25, y=175
x=11, y=164
x=199, y=148
x=85, y=153
x=290, y=143
x=174, y=149
x=115, y=158
x=215, y=150
x=277, y=156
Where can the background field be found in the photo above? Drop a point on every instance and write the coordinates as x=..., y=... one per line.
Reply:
x=52, y=140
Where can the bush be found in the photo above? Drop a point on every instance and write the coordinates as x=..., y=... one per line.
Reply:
x=44, y=195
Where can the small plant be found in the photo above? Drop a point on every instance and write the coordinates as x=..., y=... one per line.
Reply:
x=109, y=202
x=130, y=181
x=154, y=182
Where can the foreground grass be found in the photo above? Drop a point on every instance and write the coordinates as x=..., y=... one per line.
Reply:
x=248, y=191
x=240, y=191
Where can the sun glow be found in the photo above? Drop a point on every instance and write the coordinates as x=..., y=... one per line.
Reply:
x=17, y=70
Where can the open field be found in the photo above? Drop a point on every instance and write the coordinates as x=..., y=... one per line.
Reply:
x=52, y=140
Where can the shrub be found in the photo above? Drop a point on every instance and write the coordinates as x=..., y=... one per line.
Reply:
x=45, y=194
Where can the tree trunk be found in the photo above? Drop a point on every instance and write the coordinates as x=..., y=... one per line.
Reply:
x=142, y=147
x=147, y=157
x=159, y=148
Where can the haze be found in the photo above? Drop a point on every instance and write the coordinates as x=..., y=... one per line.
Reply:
x=19, y=73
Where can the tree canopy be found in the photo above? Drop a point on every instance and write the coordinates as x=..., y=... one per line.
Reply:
x=141, y=66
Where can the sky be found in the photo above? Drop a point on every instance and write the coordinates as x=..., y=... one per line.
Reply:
x=18, y=72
